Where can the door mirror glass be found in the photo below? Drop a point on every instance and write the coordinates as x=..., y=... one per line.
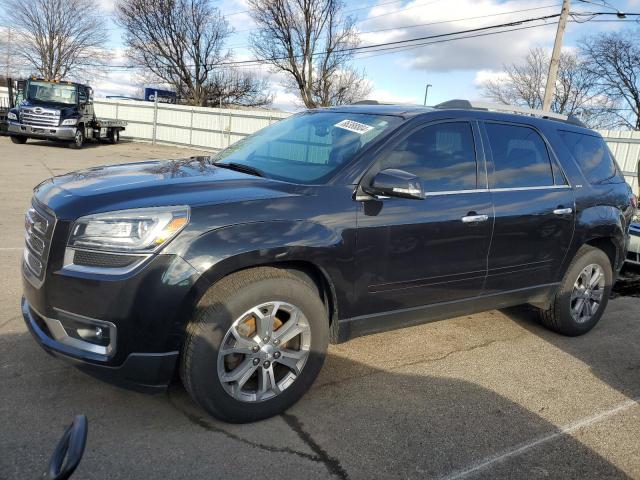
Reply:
x=392, y=182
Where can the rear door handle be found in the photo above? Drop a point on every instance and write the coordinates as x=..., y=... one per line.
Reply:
x=475, y=218
x=562, y=211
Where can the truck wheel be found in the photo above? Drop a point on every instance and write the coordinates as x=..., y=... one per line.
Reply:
x=78, y=138
x=583, y=294
x=19, y=140
x=114, y=136
x=256, y=343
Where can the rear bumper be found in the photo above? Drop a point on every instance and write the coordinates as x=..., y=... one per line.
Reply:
x=63, y=133
x=140, y=371
x=633, y=251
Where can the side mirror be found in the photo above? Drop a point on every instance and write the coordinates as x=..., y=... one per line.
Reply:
x=396, y=183
x=68, y=453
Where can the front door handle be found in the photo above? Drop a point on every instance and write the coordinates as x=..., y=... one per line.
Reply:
x=563, y=211
x=475, y=218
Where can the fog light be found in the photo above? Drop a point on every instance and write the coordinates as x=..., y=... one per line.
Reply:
x=87, y=330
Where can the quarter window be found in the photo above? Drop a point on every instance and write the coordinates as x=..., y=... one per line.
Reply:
x=520, y=157
x=592, y=154
x=442, y=155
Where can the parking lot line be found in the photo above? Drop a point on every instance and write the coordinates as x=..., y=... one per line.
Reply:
x=524, y=447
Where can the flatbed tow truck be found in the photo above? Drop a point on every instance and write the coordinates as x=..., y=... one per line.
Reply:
x=56, y=110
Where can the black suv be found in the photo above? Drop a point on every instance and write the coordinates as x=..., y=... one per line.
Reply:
x=237, y=270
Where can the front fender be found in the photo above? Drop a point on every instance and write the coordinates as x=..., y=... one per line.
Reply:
x=219, y=252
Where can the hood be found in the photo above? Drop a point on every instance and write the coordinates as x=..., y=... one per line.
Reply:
x=65, y=110
x=190, y=181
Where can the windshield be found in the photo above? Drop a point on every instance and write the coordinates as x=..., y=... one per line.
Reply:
x=51, y=92
x=306, y=148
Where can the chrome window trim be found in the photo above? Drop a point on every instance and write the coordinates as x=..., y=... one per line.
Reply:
x=457, y=192
x=544, y=187
x=484, y=190
x=69, y=266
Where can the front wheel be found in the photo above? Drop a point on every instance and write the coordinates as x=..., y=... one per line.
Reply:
x=583, y=295
x=256, y=344
x=18, y=139
x=78, y=138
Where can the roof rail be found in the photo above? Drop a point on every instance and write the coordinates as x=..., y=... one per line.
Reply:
x=366, y=102
x=497, y=107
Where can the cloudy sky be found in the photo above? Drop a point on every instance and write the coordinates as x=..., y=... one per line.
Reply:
x=453, y=68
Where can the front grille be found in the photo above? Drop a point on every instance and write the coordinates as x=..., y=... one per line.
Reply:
x=40, y=117
x=39, y=227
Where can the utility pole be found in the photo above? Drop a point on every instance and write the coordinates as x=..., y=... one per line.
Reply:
x=555, y=56
x=426, y=92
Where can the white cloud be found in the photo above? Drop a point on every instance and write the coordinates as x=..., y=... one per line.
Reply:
x=483, y=76
x=485, y=52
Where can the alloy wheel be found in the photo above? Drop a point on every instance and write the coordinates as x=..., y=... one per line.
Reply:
x=264, y=351
x=587, y=293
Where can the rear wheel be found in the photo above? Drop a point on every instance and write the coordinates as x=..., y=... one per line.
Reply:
x=256, y=344
x=18, y=139
x=114, y=136
x=583, y=295
x=78, y=138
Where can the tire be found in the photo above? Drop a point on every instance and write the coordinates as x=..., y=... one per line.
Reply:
x=203, y=366
x=18, y=139
x=114, y=136
x=563, y=316
x=78, y=139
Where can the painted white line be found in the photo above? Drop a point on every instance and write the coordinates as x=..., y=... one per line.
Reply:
x=522, y=448
x=10, y=249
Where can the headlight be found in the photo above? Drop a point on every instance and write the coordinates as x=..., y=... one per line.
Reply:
x=69, y=121
x=12, y=116
x=138, y=230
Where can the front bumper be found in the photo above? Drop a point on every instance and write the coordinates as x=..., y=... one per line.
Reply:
x=145, y=312
x=62, y=133
x=140, y=371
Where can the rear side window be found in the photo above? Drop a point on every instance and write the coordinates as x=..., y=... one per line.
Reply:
x=442, y=155
x=520, y=157
x=592, y=154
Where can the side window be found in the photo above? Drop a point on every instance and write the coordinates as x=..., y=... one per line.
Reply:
x=82, y=95
x=442, y=155
x=520, y=157
x=592, y=154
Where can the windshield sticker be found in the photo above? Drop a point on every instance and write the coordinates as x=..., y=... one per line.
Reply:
x=354, y=126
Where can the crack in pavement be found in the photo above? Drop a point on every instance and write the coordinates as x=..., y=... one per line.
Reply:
x=332, y=464
x=203, y=422
x=421, y=361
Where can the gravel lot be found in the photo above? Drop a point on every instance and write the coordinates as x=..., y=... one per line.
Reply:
x=492, y=395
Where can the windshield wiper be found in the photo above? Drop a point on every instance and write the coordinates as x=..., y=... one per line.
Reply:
x=239, y=167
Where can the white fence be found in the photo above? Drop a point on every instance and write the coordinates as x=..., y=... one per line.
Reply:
x=217, y=128
x=199, y=127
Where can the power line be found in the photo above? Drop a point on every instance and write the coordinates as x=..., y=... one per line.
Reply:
x=373, y=47
x=404, y=27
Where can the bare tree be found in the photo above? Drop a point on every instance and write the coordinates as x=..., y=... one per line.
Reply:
x=181, y=42
x=57, y=38
x=576, y=93
x=311, y=42
x=614, y=61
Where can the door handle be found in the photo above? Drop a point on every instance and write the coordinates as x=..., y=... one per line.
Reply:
x=563, y=211
x=475, y=218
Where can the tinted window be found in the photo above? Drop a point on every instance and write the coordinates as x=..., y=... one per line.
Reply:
x=82, y=95
x=592, y=154
x=520, y=157
x=442, y=155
